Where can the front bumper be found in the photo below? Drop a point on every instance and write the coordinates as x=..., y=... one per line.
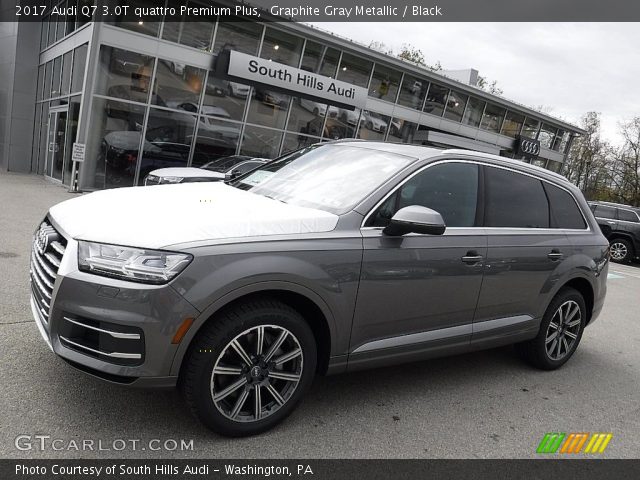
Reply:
x=118, y=331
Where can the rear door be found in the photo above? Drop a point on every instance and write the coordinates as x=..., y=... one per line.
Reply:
x=524, y=251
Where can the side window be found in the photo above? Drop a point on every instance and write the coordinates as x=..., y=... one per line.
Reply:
x=449, y=188
x=514, y=200
x=627, y=216
x=564, y=210
x=605, y=212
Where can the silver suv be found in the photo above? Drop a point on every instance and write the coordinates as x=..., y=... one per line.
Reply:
x=338, y=257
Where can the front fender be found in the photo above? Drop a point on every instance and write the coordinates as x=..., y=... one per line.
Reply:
x=252, y=288
x=326, y=276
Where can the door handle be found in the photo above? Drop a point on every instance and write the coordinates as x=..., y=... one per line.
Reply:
x=555, y=254
x=472, y=257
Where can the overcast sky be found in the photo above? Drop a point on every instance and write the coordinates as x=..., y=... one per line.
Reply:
x=571, y=67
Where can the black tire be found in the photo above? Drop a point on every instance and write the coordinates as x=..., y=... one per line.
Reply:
x=621, y=250
x=213, y=342
x=535, y=351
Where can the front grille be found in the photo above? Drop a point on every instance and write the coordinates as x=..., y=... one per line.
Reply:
x=46, y=255
x=109, y=342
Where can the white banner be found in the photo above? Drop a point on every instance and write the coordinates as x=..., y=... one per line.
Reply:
x=257, y=69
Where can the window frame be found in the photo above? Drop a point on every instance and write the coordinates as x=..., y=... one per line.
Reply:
x=481, y=204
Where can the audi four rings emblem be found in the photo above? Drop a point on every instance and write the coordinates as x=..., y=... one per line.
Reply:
x=529, y=147
x=42, y=238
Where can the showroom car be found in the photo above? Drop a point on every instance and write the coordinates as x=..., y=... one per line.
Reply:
x=338, y=257
x=226, y=168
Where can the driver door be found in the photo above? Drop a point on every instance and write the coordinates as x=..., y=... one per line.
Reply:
x=418, y=293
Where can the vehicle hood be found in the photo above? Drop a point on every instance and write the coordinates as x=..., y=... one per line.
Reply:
x=186, y=172
x=162, y=215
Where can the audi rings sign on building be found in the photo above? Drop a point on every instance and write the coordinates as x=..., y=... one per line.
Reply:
x=527, y=147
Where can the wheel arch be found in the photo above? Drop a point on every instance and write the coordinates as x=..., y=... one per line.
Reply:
x=584, y=287
x=310, y=305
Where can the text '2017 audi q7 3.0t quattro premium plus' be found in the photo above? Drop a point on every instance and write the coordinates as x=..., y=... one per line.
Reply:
x=337, y=257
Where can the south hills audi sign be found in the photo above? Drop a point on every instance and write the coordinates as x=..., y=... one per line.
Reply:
x=248, y=69
x=527, y=147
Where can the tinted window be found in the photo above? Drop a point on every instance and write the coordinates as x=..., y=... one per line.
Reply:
x=627, y=216
x=564, y=210
x=450, y=189
x=514, y=200
x=604, y=212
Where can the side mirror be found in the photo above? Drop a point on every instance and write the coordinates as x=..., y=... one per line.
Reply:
x=232, y=175
x=415, y=219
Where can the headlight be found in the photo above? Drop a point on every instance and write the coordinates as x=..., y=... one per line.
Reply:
x=128, y=263
x=171, y=179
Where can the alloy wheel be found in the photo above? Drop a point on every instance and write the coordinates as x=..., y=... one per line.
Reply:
x=256, y=373
x=618, y=251
x=563, y=330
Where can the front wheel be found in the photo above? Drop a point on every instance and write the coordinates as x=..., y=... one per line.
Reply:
x=249, y=368
x=560, y=332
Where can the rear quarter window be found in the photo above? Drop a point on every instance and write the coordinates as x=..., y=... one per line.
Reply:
x=565, y=213
x=627, y=216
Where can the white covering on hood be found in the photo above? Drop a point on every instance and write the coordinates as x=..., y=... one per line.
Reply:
x=163, y=215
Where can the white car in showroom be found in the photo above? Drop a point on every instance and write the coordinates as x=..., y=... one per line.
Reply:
x=318, y=109
x=225, y=168
x=373, y=121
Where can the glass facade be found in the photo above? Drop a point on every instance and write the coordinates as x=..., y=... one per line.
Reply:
x=57, y=112
x=512, y=124
x=146, y=111
x=473, y=114
x=54, y=31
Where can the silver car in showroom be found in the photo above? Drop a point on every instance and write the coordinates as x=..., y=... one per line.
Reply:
x=338, y=257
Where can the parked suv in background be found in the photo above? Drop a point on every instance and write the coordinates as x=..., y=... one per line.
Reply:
x=621, y=225
x=338, y=257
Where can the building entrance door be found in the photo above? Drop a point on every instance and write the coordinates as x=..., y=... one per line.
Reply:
x=58, y=152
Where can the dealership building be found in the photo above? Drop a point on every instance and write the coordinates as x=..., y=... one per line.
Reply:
x=135, y=96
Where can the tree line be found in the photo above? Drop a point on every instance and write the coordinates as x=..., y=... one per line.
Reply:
x=604, y=171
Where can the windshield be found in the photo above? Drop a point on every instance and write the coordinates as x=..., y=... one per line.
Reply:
x=333, y=178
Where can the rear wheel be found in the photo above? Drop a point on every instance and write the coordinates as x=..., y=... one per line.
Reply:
x=560, y=332
x=621, y=250
x=249, y=368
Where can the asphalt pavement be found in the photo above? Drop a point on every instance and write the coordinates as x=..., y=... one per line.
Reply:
x=481, y=405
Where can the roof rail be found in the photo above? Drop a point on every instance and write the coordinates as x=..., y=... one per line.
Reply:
x=614, y=204
x=460, y=151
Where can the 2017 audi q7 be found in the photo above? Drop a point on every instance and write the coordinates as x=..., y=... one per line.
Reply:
x=338, y=257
